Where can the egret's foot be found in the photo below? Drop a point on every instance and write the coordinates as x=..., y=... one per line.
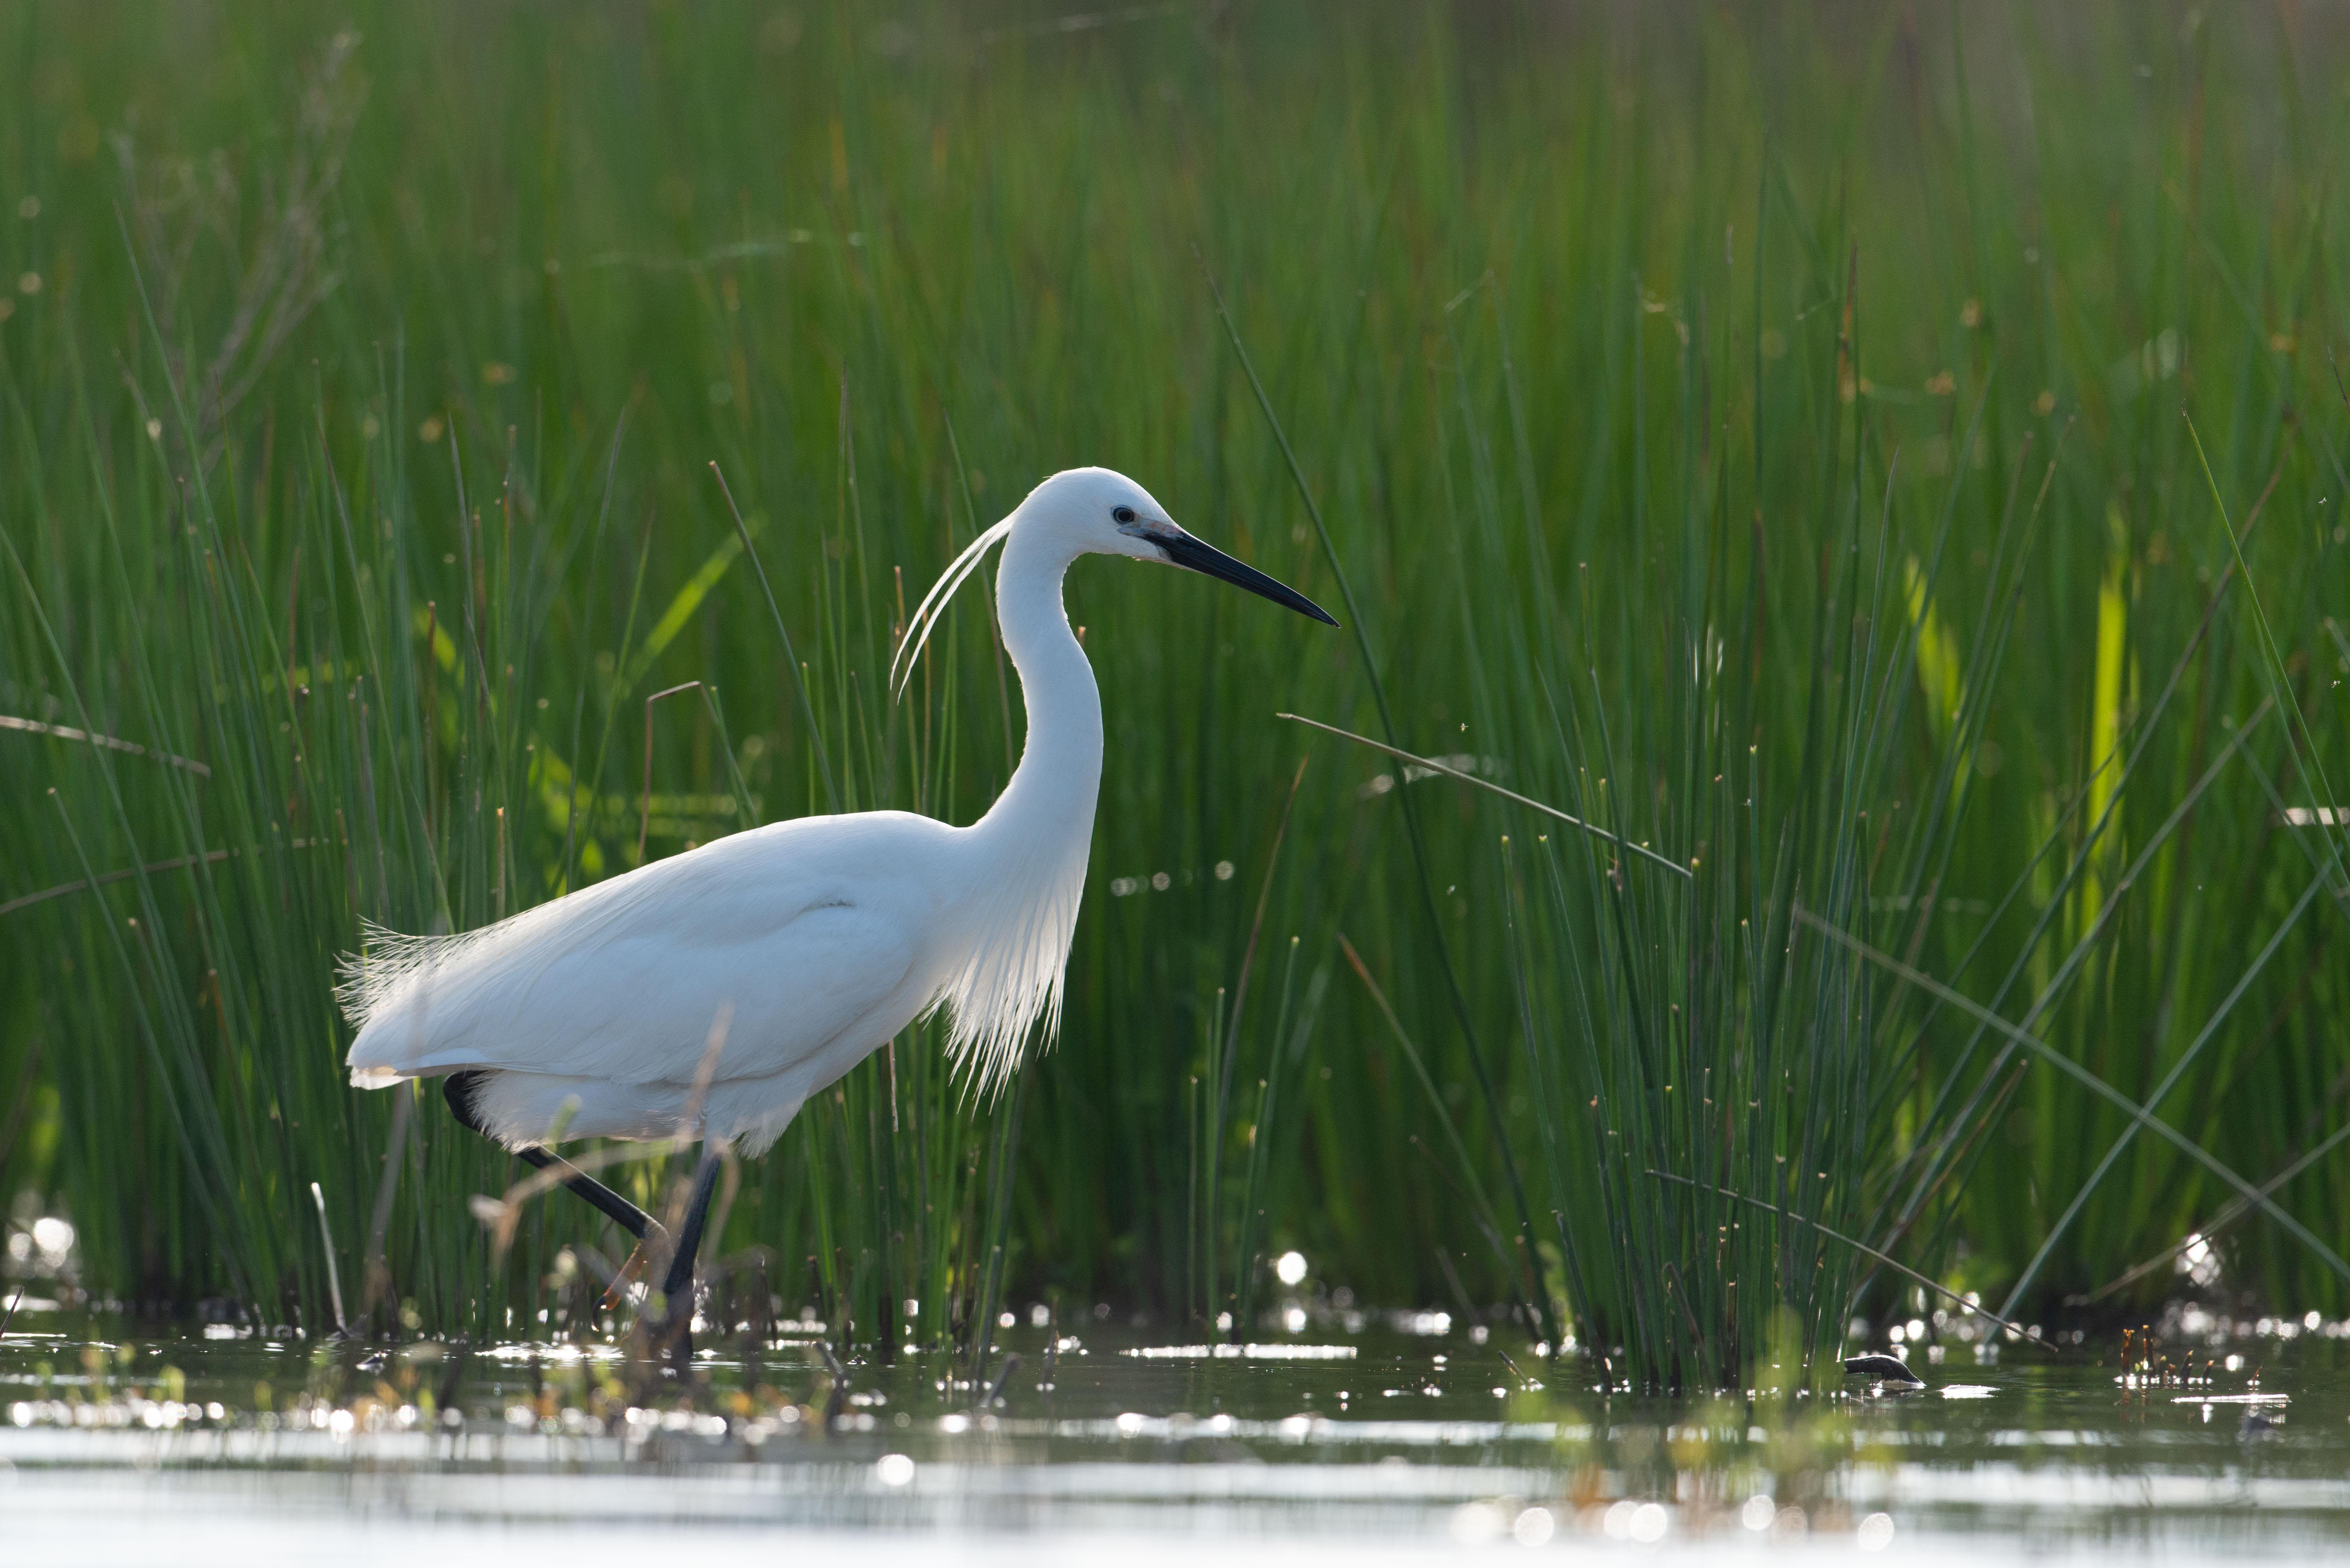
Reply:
x=630, y=1271
x=672, y=1340
x=676, y=1339
x=1884, y=1369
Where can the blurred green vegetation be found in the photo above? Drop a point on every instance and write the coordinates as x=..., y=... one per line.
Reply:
x=1775, y=414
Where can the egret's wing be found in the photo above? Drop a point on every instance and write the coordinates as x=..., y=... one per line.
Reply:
x=625, y=981
x=642, y=1006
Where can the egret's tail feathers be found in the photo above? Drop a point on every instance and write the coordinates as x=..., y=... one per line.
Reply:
x=927, y=614
x=384, y=965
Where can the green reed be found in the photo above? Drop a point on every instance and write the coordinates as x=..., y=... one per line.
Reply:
x=1758, y=436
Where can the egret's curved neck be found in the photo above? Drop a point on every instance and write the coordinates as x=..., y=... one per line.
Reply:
x=1052, y=793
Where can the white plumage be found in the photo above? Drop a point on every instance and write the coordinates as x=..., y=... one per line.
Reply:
x=807, y=943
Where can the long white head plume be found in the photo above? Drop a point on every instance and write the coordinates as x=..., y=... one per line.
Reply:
x=933, y=606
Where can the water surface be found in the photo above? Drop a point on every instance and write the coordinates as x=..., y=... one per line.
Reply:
x=1413, y=1437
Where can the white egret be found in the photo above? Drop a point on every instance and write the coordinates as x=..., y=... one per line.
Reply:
x=709, y=995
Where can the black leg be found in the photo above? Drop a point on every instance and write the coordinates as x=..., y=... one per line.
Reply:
x=623, y=1214
x=677, y=1287
x=459, y=1089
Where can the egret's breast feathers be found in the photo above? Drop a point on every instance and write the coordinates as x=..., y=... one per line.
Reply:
x=1010, y=979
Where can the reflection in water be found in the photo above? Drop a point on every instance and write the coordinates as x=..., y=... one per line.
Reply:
x=1380, y=1438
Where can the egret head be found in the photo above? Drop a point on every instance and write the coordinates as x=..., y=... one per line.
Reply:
x=1091, y=512
x=1096, y=510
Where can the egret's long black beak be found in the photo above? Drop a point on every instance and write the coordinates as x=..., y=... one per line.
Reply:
x=1195, y=555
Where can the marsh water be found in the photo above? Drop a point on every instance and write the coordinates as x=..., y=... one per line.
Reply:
x=1368, y=1437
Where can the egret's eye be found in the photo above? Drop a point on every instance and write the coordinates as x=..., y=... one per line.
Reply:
x=1121, y=514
